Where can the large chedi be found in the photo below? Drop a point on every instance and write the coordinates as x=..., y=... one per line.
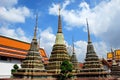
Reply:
x=92, y=66
x=59, y=52
x=32, y=66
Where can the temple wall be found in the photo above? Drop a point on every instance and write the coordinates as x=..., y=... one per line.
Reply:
x=6, y=66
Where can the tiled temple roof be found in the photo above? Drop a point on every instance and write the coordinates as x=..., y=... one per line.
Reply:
x=14, y=48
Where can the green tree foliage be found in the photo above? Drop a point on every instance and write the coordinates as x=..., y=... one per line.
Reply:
x=15, y=68
x=66, y=68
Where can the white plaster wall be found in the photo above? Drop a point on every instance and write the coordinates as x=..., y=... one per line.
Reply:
x=6, y=66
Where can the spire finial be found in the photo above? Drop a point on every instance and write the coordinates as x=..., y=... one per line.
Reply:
x=111, y=49
x=36, y=25
x=89, y=40
x=73, y=45
x=59, y=9
x=59, y=22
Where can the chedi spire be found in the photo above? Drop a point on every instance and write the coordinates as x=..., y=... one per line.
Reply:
x=34, y=43
x=35, y=31
x=73, y=45
x=59, y=22
x=89, y=39
x=92, y=64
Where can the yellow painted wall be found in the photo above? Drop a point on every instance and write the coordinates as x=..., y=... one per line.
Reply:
x=117, y=55
x=109, y=55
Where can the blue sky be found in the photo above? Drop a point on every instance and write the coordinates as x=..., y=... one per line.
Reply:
x=17, y=20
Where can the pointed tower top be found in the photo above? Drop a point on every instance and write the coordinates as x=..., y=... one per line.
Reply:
x=89, y=40
x=34, y=43
x=73, y=45
x=59, y=22
x=35, y=31
x=59, y=9
x=112, y=51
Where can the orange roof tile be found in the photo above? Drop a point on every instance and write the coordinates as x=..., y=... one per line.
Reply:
x=12, y=55
x=14, y=43
x=13, y=50
x=42, y=52
x=80, y=65
x=17, y=44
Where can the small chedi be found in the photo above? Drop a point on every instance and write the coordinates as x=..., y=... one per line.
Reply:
x=92, y=66
x=115, y=69
x=32, y=66
x=74, y=61
x=59, y=52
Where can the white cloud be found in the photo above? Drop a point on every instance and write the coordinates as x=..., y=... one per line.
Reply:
x=10, y=13
x=103, y=19
x=67, y=2
x=14, y=14
x=17, y=33
x=47, y=40
x=81, y=48
x=54, y=9
x=8, y=3
x=101, y=49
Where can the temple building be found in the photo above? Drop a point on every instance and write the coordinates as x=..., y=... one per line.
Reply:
x=59, y=52
x=74, y=61
x=12, y=52
x=92, y=66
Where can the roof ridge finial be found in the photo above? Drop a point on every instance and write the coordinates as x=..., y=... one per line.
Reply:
x=89, y=40
x=36, y=26
x=59, y=21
